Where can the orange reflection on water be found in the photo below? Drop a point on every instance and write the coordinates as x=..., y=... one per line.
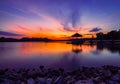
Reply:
x=30, y=48
x=87, y=48
x=44, y=48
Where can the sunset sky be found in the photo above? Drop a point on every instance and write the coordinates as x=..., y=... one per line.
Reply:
x=57, y=18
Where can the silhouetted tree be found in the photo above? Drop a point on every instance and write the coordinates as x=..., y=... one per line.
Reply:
x=25, y=39
x=112, y=35
x=100, y=35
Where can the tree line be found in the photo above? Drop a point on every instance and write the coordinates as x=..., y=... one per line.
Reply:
x=25, y=39
x=112, y=35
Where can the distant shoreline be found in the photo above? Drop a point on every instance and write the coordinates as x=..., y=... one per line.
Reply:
x=62, y=40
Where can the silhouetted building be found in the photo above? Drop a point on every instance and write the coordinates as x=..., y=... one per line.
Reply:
x=77, y=38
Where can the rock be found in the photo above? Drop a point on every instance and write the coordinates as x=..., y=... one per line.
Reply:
x=18, y=82
x=72, y=81
x=84, y=75
x=67, y=78
x=59, y=80
x=22, y=82
x=90, y=81
x=6, y=81
x=107, y=73
x=48, y=81
x=112, y=82
x=116, y=77
x=30, y=81
x=40, y=80
x=97, y=79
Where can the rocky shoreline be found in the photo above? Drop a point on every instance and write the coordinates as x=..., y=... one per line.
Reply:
x=83, y=75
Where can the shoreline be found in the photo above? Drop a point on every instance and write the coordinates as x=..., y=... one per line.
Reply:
x=107, y=74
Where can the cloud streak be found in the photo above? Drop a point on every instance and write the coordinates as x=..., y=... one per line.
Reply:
x=96, y=29
x=72, y=17
x=4, y=33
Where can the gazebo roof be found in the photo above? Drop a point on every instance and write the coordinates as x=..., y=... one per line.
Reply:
x=76, y=35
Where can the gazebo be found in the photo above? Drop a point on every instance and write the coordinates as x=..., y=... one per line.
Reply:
x=76, y=36
x=76, y=39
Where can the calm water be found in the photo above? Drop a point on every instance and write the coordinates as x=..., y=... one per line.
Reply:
x=56, y=54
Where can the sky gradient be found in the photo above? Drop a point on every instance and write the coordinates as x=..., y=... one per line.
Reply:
x=58, y=18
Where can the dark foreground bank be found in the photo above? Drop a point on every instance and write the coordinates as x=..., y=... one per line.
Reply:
x=42, y=75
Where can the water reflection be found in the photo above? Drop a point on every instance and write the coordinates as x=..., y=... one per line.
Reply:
x=57, y=54
x=76, y=48
x=44, y=48
x=111, y=48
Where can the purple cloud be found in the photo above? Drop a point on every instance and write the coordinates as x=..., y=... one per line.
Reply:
x=9, y=34
x=96, y=29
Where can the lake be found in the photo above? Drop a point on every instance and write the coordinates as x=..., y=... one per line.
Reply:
x=56, y=54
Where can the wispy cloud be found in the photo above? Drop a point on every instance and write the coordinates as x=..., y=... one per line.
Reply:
x=24, y=28
x=4, y=33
